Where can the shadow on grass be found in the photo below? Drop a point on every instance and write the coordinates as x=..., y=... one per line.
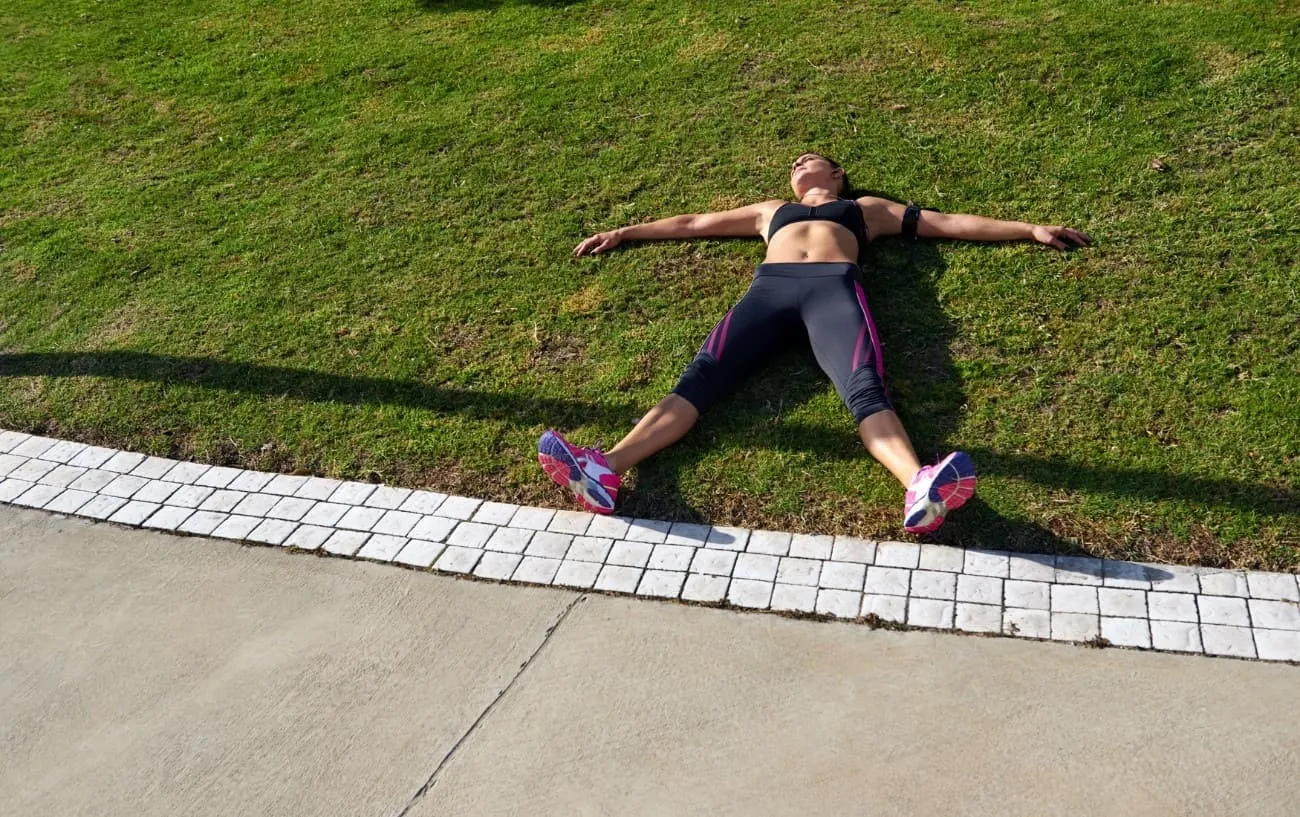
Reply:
x=276, y=381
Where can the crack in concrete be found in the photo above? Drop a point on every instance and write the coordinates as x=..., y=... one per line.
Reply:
x=433, y=778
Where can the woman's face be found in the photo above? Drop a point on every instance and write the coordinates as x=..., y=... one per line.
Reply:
x=811, y=170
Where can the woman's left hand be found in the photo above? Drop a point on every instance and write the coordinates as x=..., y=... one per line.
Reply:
x=1061, y=237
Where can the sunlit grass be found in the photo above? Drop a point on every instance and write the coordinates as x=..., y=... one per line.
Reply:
x=334, y=238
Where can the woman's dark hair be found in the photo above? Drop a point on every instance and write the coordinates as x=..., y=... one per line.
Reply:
x=846, y=187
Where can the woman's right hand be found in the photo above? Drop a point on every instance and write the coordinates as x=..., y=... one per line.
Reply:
x=598, y=243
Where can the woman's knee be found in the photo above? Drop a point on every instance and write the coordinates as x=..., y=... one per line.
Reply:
x=865, y=394
x=701, y=384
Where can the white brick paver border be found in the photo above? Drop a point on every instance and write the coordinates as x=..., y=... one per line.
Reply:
x=1244, y=614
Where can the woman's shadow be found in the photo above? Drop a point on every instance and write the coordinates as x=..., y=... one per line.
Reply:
x=924, y=385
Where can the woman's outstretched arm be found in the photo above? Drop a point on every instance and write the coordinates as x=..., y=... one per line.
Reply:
x=741, y=222
x=885, y=217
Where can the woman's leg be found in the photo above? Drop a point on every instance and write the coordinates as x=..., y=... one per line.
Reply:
x=662, y=426
x=846, y=345
x=738, y=345
x=883, y=435
x=844, y=340
x=741, y=342
x=595, y=476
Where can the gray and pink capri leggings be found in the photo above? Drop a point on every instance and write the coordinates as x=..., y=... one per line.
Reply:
x=826, y=302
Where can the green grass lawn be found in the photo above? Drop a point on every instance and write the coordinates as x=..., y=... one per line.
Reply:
x=335, y=237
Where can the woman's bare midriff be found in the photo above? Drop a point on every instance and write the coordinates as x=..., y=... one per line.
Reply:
x=812, y=242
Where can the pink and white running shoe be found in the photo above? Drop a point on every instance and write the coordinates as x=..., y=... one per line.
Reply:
x=582, y=470
x=936, y=490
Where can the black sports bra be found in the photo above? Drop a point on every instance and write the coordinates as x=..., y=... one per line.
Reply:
x=844, y=212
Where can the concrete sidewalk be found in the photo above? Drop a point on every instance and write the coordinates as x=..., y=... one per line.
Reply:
x=145, y=673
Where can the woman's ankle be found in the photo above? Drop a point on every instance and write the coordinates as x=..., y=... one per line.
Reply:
x=614, y=459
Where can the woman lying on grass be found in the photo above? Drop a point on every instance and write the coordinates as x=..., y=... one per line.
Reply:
x=809, y=282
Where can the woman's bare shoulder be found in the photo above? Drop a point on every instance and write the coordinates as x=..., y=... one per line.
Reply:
x=882, y=216
x=873, y=203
